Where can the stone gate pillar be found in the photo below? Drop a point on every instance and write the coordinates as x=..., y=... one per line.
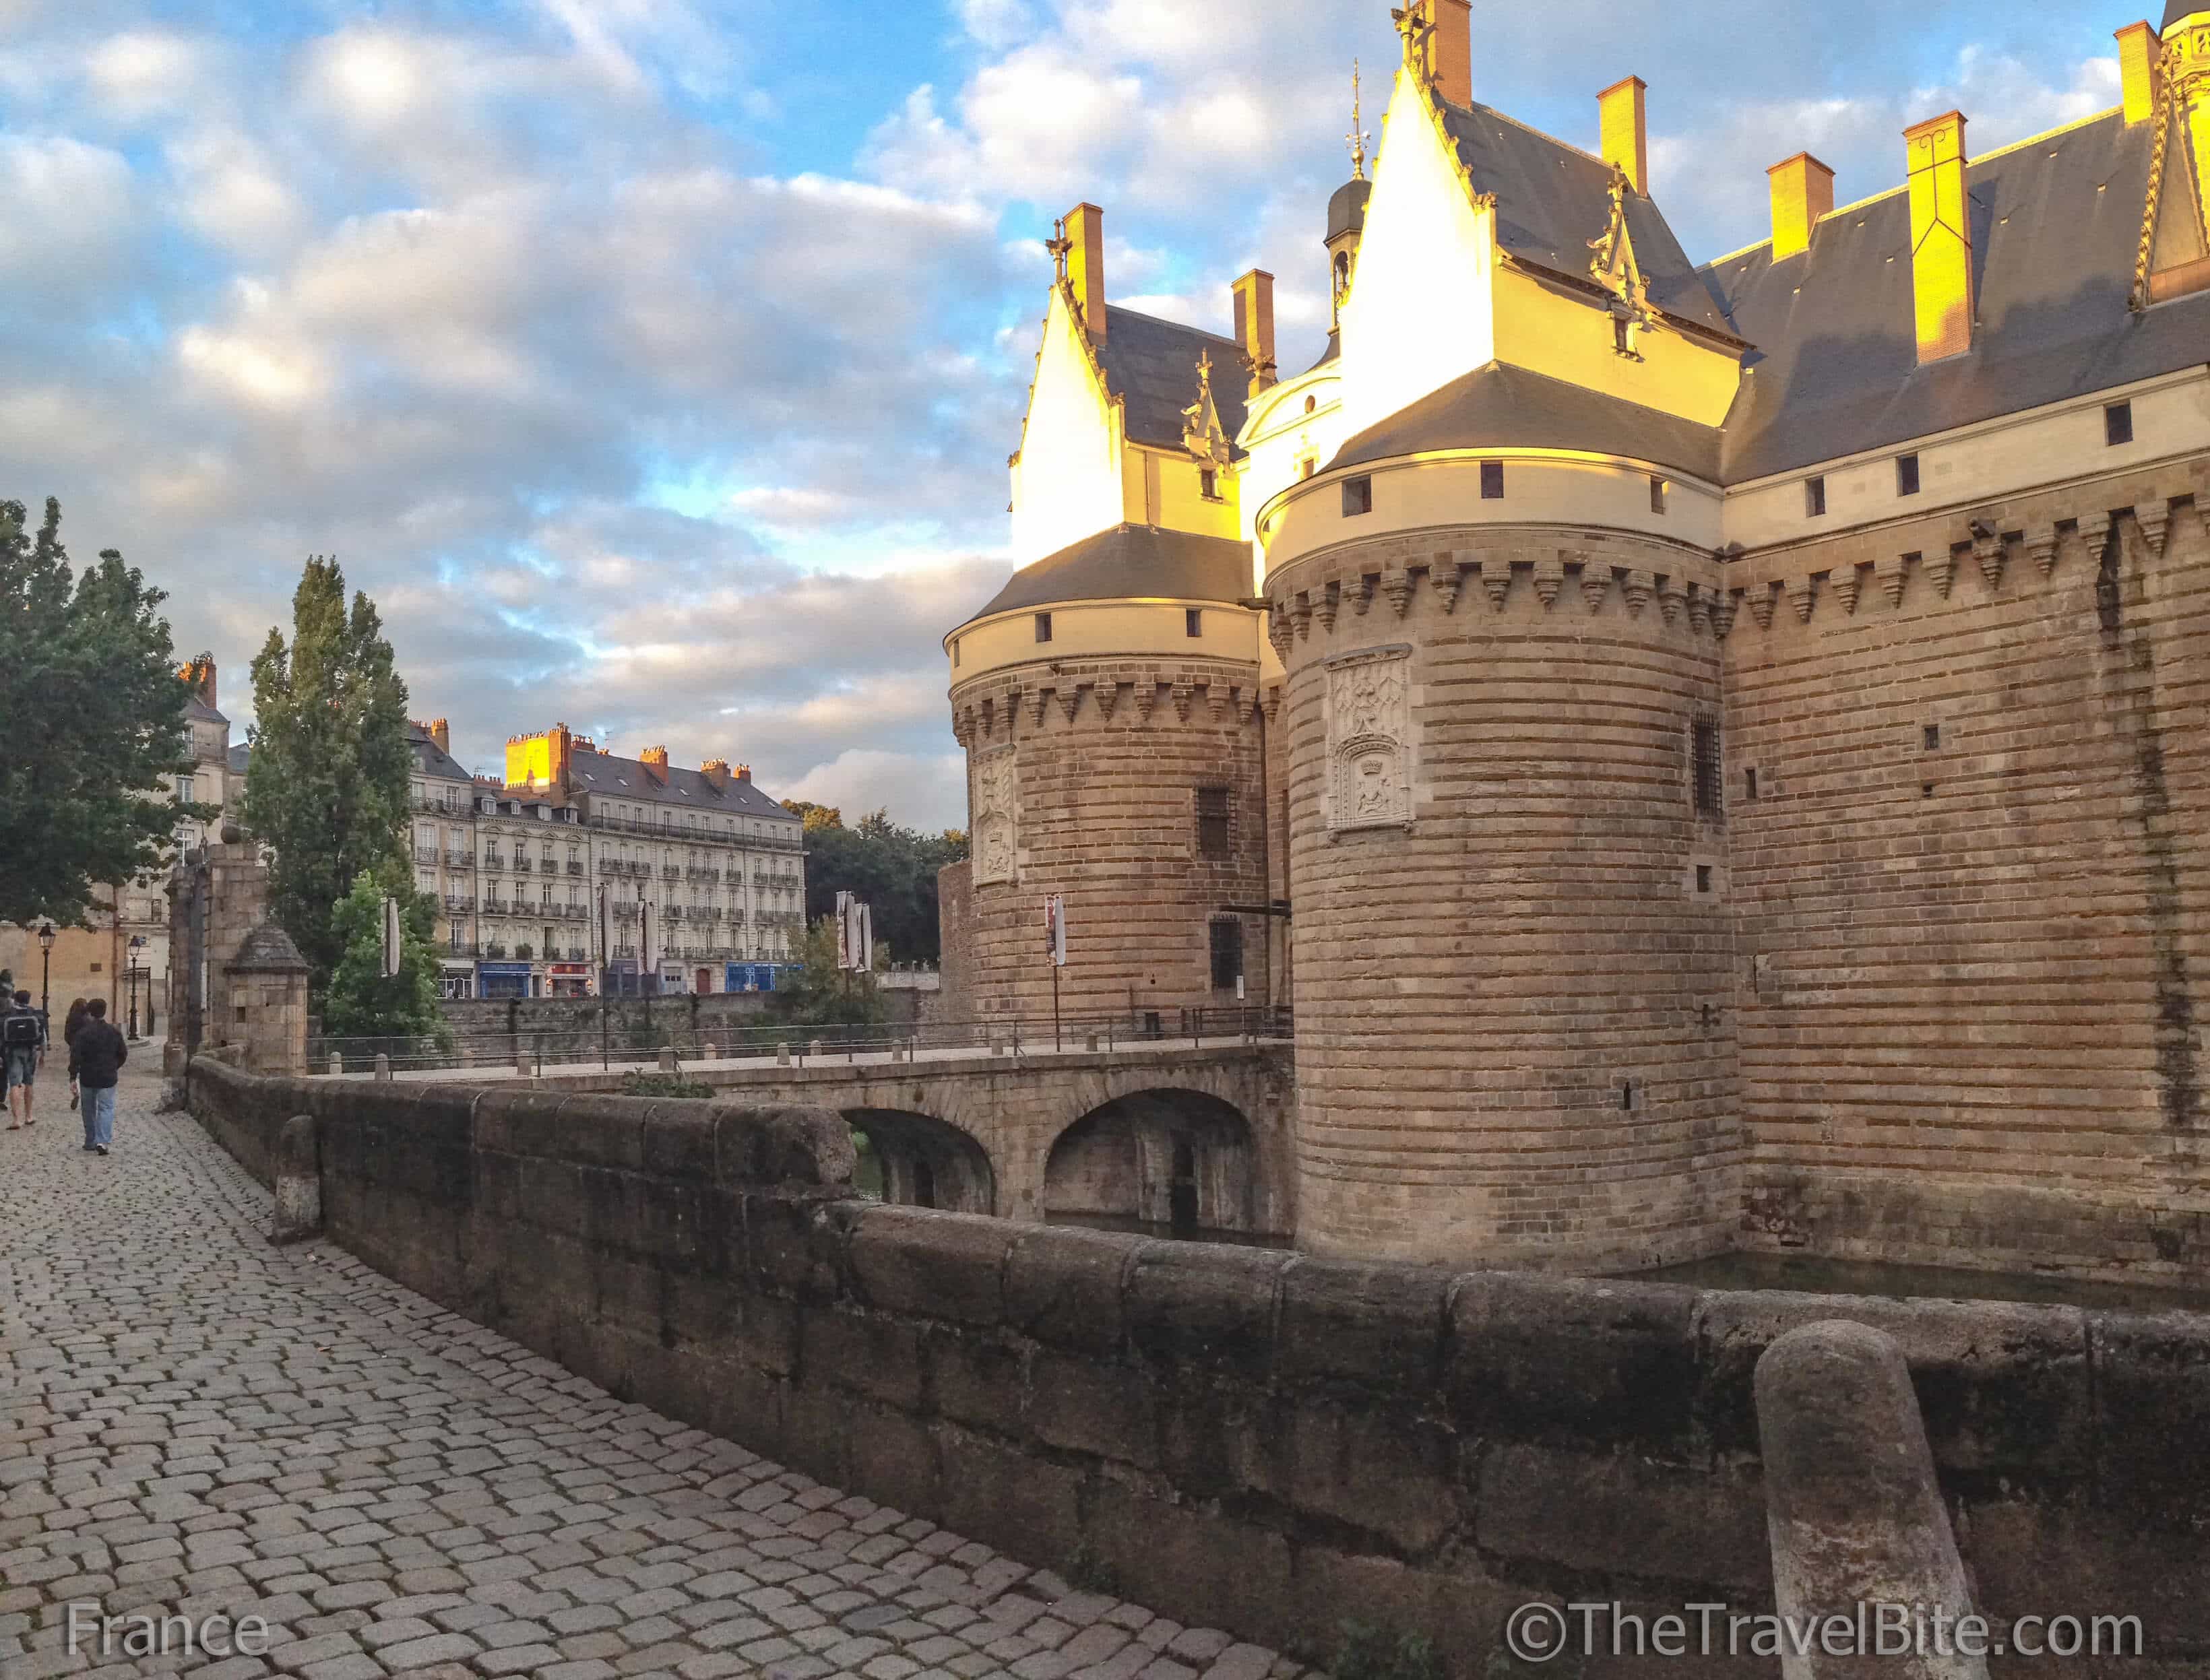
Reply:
x=265, y=996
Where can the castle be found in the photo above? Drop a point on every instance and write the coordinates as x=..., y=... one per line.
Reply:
x=1714, y=754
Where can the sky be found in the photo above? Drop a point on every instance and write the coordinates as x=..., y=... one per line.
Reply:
x=653, y=363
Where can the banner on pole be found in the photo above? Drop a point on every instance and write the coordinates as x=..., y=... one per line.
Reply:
x=391, y=937
x=1055, y=929
x=855, y=933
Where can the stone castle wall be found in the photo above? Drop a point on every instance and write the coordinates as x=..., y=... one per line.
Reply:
x=1513, y=987
x=1971, y=886
x=1257, y=1441
x=1084, y=780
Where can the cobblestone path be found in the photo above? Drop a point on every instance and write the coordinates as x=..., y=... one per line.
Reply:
x=193, y=1423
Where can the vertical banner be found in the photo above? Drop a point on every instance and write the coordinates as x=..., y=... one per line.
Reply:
x=855, y=934
x=866, y=938
x=843, y=930
x=391, y=937
x=648, y=963
x=1055, y=929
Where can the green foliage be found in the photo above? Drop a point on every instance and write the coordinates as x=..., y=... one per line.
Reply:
x=94, y=714
x=1372, y=1653
x=327, y=785
x=819, y=994
x=639, y=1083
x=893, y=869
x=362, y=1001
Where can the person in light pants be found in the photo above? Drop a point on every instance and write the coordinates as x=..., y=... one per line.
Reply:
x=96, y=1057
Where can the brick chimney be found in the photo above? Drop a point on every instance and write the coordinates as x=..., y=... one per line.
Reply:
x=442, y=733
x=1085, y=267
x=2140, y=70
x=1446, y=47
x=1623, y=124
x=654, y=759
x=540, y=762
x=1940, y=236
x=1802, y=197
x=199, y=672
x=743, y=773
x=715, y=771
x=1254, y=327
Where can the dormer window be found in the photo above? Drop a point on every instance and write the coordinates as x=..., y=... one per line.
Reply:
x=1620, y=340
x=1208, y=484
x=1357, y=497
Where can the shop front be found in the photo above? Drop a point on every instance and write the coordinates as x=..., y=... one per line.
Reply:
x=503, y=979
x=568, y=980
x=457, y=979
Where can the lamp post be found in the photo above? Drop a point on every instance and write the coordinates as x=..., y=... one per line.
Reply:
x=137, y=944
x=46, y=965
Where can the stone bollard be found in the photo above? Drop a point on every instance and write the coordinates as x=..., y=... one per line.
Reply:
x=298, y=1176
x=337, y=1064
x=382, y=1065
x=1090, y=1043
x=521, y=1062
x=782, y=1056
x=1852, y=1508
x=815, y=1050
x=667, y=1060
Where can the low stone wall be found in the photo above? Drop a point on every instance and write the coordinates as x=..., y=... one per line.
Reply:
x=562, y=1015
x=1254, y=1440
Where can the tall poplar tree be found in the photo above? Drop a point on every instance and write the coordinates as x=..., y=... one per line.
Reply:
x=91, y=723
x=326, y=786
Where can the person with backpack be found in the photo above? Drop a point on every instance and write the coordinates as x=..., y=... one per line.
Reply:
x=22, y=1048
x=96, y=1058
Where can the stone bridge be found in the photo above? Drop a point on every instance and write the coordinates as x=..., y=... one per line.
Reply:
x=1188, y=1135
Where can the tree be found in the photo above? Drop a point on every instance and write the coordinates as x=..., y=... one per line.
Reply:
x=362, y=1001
x=94, y=714
x=820, y=994
x=326, y=786
x=894, y=869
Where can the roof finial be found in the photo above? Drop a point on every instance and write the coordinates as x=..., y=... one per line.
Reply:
x=1414, y=25
x=1059, y=246
x=1357, y=136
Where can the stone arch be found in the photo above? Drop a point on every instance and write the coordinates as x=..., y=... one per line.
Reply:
x=925, y=1162
x=1172, y=1158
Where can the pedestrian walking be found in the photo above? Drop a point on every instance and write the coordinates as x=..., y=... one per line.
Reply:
x=70, y=1023
x=96, y=1060
x=22, y=1048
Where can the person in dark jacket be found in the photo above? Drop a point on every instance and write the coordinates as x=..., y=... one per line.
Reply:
x=96, y=1059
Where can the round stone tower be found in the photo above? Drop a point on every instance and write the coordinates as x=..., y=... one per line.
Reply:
x=1499, y=614
x=1109, y=705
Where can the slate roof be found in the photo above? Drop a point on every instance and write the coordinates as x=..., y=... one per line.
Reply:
x=2175, y=9
x=1346, y=211
x=239, y=754
x=434, y=761
x=1498, y=406
x=1131, y=561
x=1551, y=198
x=198, y=711
x=2056, y=222
x=608, y=777
x=1152, y=366
x=267, y=950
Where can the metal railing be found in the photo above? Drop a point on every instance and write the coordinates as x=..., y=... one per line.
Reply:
x=522, y=864
x=575, y=866
x=637, y=1039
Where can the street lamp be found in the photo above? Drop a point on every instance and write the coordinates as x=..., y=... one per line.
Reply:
x=45, y=964
x=137, y=944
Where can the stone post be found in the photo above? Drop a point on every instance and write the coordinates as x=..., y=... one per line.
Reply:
x=522, y=1060
x=668, y=1059
x=337, y=1064
x=1852, y=1509
x=265, y=1001
x=782, y=1056
x=298, y=1176
x=382, y=1065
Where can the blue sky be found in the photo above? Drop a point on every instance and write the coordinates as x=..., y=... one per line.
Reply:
x=654, y=363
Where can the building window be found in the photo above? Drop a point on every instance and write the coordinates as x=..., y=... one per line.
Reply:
x=1357, y=497
x=1815, y=497
x=1212, y=823
x=1492, y=481
x=1656, y=494
x=1192, y=621
x=1043, y=626
x=2119, y=423
x=1933, y=736
x=186, y=790
x=1703, y=877
x=1620, y=341
x=1311, y=403
x=1704, y=752
x=1749, y=783
x=954, y=654
x=1906, y=475
x=1227, y=953
x=1208, y=484
x=1307, y=466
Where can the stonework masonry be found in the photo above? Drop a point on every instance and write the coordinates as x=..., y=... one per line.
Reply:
x=1085, y=780
x=1261, y=1441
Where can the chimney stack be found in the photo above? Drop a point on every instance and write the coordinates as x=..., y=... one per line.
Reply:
x=1940, y=236
x=743, y=773
x=1802, y=197
x=1623, y=124
x=1254, y=327
x=1085, y=267
x=717, y=771
x=198, y=673
x=654, y=759
x=442, y=733
x=1446, y=47
x=2140, y=70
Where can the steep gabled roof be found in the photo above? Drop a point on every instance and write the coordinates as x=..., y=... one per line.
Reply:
x=1552, y=199
x=1152, y=365
x=1501, y=407
x=2055, y=224
x=1130, y=561
x=610, y=777
x=432, y=760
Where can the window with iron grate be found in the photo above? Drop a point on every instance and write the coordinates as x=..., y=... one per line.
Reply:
x=1227, y=953
x=1704, y=759
x=1212, y=813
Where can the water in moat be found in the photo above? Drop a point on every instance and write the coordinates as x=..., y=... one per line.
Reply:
x=1808, y=1275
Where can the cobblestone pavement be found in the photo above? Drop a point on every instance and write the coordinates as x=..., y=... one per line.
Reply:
x=193, y=1423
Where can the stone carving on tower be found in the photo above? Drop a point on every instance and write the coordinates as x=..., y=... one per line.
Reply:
x=1615, y=270
x=1201, y=428
x=994, y=819
x=1369, y=727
